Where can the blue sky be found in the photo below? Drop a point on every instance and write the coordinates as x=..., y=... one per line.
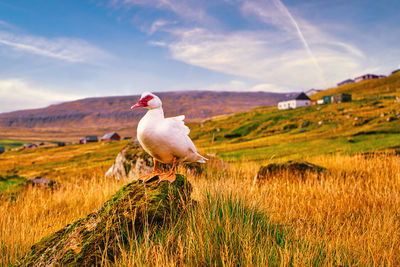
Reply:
x=56, y=51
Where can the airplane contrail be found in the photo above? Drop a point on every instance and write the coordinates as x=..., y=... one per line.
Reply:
x=283, y=9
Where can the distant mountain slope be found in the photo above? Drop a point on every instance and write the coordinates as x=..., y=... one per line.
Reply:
x=108, y=112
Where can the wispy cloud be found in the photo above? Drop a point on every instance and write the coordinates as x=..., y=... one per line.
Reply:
x=287, y=51
x=233, y=85
x=18, y=94
x=66, y=49
x=6, y=25
x=158, y=24
x=263, y=56
x=189, y=10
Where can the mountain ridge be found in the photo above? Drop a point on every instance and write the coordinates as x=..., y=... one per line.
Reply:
x=114, y=111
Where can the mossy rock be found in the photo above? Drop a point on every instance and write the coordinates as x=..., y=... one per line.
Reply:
x=132, y=162
x=101, y=234
x=300, y=169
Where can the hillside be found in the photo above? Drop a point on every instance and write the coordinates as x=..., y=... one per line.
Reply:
x=115, y=111
x=371, y=122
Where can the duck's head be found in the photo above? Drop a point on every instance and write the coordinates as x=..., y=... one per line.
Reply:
x=149, y=101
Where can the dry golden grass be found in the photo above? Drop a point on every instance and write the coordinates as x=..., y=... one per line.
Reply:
x=356, y=206
x=349, y=215
x=38, y=212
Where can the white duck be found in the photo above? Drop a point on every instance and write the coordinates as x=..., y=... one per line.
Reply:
x=165, y=139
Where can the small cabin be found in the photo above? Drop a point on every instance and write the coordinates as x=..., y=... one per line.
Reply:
x=111, y=137
x=340, y=98
x=327, y=99
x=2, y=149
x=302, y=100
x=29, y=145
x=395, y=71
x=348, y=81
x=91, y=139
x=366, y=77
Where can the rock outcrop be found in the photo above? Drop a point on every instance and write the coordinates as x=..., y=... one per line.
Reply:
x=133, y=162
x=101, y=234
x=300, y=169
x=42, y=182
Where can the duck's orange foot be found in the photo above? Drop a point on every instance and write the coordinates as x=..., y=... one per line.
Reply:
x=168, y=176
x=148, y=177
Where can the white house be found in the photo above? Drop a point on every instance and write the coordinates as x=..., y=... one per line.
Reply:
x=302, y=100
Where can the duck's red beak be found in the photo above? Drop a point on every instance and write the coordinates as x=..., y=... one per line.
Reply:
x=137, y=105
x=140, y=104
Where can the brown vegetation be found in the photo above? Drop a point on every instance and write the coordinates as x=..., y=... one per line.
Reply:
x=348, y=215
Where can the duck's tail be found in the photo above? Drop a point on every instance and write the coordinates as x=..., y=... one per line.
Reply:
x=201, y=159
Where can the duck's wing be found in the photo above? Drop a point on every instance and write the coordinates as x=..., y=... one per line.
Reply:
x=178, y=127
x=178, y=124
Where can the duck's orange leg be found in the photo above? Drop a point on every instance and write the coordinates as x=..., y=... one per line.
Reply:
x=169, y=176
x=154, y=173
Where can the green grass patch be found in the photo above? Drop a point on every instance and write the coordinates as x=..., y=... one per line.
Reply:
x=11, y=183
x=223, y=230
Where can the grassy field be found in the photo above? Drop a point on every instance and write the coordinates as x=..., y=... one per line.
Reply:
x=348, y=216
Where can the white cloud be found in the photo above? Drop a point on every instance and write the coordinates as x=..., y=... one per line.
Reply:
x=66, y=49
x=269, y=88
x=190, y=10
x=233, y=85
x=287, y=51
x=6, y=24
x=158, y=43
x=16, y=94
x=266, y=57
x=158, y=24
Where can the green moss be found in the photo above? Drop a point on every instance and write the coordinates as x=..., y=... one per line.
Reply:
x=133, y=208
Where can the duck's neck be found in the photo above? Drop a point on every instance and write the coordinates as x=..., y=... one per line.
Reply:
x=155, y=113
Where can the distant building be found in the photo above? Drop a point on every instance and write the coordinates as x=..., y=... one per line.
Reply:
x=329, y=99
x=29, y=145
x=2, y=149
x=111, y=137
x=320, y=101
x=341, y=98
x=345, y=82
x=127, y=137
x=91, y=139
x=395, y=71
x=61, y=143
x=83, y=141
x=366, y=77
x=302, y=100
x=312, y=92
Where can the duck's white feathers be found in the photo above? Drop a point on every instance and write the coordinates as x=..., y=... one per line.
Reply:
x=179, y=123
x=166, y=138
